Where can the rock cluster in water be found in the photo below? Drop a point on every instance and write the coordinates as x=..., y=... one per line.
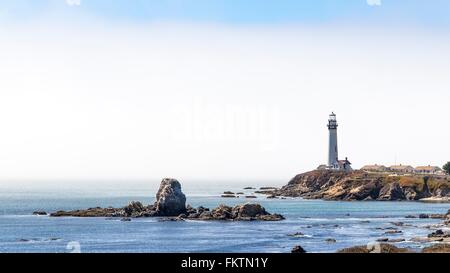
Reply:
x=360, y=185
x=171, y=202
x=244, y=212
x=439, y=238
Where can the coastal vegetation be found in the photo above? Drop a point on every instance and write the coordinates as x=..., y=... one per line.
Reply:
x=446, y=168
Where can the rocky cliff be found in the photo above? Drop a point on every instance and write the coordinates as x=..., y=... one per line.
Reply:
x=360, y=185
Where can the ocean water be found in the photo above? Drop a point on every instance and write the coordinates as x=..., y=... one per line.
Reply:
x=349, y=223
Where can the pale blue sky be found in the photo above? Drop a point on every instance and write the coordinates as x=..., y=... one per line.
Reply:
x=433, y=13
x=123, y=89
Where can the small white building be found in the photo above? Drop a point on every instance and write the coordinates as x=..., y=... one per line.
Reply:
x=375, y=168
x=402, y=168
x=428, y=170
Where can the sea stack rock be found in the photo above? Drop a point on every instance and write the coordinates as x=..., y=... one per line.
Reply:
x=170, y=200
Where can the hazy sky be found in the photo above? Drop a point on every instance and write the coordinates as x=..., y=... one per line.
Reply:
x=120, y=89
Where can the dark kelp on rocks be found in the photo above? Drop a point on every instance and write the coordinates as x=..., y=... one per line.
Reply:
x=171, y=202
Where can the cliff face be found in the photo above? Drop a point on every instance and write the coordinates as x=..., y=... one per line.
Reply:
x=359, y=185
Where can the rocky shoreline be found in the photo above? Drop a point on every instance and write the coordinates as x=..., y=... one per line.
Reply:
x=389, y=248
x=171, y=204
x=364, y=186
x=438, y=241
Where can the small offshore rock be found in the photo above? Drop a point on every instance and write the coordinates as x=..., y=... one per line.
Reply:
x=266, y=192
x=254, y=212
x=296, y=234
x=439, y=234
x=228, y=196
x=390, y=240
x=438, y=216
x=298, y=249
x=393, y=232
x=271, y=217
x=40, y=213
x=170, y=219
x=396, y=240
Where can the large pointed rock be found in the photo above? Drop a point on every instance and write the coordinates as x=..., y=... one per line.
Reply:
x=170, y=200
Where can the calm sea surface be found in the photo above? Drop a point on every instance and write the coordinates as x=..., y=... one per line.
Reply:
x=349, y=223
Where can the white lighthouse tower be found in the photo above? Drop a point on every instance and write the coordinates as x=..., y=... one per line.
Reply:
x=333, y=158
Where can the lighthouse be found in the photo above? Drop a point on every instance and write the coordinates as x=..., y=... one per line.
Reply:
x=333, y=158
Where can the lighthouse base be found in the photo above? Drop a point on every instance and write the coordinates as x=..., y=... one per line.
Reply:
x=341, y=165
